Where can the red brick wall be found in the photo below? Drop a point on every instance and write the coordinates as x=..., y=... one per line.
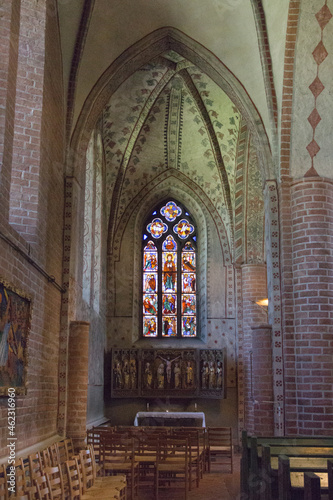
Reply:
x=36, y=417
x=254, y=283
x=28, y=116
x=312, y=257
x=263, y=413
x=9, y=29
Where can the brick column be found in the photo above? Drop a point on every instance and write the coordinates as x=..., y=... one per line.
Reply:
x=262, y=377
x=78, y=350
x=254, y=287
x=312, y=254
x=9, y=36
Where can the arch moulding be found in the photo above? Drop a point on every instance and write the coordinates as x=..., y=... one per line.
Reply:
x=146, y=49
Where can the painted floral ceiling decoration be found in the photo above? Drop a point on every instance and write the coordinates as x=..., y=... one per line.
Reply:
x=170, y=115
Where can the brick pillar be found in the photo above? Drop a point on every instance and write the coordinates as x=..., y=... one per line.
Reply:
x=9, y=36
x=78, y=350
x=254, y=287
x=262, y=377
x=312, y=254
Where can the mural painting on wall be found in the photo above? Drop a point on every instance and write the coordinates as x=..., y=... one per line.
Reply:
x=15, y=318
x=168, y=372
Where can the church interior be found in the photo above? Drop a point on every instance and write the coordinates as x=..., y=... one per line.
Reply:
x=165, y=166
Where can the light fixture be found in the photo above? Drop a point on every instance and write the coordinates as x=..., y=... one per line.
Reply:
x=263, y=304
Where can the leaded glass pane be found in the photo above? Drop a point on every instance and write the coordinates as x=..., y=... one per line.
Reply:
x=169, y=274
x=171, y=211
x=150, y=282
x=150, y=304
x=189, y=283
x=157, y=227
x=150, y=326
x=169, y=303
x=183, y=229
x=189, y=328
x=169, y=326
x=169, y=243
x=169, y=263
x=188, y=304
x=188, y=261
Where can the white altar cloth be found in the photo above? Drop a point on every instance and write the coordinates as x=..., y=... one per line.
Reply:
x=163, y=415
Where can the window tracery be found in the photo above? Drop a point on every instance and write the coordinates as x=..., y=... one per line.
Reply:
x=169, y=273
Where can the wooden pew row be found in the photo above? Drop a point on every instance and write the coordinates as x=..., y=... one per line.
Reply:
x=307, y=485
x=253, y=479
x=269, y=470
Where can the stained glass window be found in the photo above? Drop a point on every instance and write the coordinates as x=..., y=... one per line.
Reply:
x=169, y=300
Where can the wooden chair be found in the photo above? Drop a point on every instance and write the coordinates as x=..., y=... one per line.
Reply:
x=42, y=488
x=35, y=465
x=3, y=483
x=94, y=438
x=74, y=479
x=62, y=452
x=194, y=457
x=105, y=487
x=70, y=451
x=21, y=482
x=119, y=481
x=117, y=453
x=46, y=458
x=55, y=482
x=172, y=463
x=27, y=496
x=219, y=447
x=145, y=445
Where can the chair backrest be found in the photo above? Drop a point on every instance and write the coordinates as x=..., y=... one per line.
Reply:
x=45, y=458
x=62, y=452
x=55, y=482
x=74, y=479
x=176, y=450
x=54, y=455
x=42, y=488
x=20, y=478
x=219, y=436
x=27, y=496
x=69, y=448
x=94, y=438
x=115, y=448
x=3, y=483
x=192, y=437
x=35, y=466
x=88, y=470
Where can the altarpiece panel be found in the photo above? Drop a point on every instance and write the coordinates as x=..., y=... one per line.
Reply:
x=178, y=373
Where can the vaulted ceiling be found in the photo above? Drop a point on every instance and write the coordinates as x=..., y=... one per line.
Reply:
x=169, y=112
x=95, y=33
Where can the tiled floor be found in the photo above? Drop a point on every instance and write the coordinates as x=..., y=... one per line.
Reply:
x=213, y=486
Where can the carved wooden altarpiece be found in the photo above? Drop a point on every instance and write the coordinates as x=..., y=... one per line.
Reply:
x=177, y=373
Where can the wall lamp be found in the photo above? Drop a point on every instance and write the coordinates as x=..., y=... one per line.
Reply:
x=263, y=303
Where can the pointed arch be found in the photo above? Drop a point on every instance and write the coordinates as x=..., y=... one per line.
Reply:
x=142, y=52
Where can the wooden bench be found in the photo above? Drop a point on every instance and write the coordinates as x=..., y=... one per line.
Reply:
x=270, y=465
x=257, y=482
x=303, y=484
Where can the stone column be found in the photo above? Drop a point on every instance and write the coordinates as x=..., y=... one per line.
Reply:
x=262, y=379
x=312, y=259
x=78, y=349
